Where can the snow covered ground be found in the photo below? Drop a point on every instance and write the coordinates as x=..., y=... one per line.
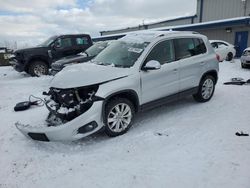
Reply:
x=182, y=144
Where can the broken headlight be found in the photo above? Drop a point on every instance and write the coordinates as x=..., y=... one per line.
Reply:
x=66, y=104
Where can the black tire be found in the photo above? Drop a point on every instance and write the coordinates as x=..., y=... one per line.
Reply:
x=229, y=56
x=109, y=113
x=243, y=66
x=38, y=68
x=199, y=96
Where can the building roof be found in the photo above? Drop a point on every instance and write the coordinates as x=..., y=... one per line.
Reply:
x=158, y=22
x=198, y=26
x=211, y=24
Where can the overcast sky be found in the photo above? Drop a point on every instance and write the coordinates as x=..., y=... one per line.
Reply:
x=32, y=21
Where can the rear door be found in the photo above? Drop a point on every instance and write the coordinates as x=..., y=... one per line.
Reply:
x=189, y=54
x=81, y=43
x=156, y=84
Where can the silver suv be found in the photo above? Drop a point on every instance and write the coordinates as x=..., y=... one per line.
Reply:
x=139, y=71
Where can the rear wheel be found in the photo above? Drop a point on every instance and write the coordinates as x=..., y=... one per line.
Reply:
x=119, y=114
x=229, y=56
x=206, y=89
x=38, y=68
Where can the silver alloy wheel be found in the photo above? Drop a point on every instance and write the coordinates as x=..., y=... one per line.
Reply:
x=207, y=88
x=119, y=117
x=39, y=70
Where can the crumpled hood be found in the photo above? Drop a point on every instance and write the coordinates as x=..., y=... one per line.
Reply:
x=87, y=74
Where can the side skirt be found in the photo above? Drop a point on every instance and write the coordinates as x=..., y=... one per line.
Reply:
x=170, y=98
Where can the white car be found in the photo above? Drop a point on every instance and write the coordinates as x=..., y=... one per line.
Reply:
x=245, y=58
x=137, y=72
x=225, y=50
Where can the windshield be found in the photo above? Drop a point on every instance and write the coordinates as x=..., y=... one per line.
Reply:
x=96, y=48
x=48, y=41
x=120, y=54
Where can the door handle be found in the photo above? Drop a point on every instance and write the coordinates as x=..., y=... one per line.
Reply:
x=202, y=63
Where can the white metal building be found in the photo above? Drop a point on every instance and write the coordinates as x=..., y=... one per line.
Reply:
x=227, y=20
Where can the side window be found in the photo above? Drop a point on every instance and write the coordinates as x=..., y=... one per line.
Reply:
x=82, y=41
x=188, y=47
x=199, y=47
x=162, y=52
x=64, y=42
x=214, y=45
x=184, y=48
x=222, y=44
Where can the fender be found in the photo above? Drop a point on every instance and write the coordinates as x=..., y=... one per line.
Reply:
x=132, y=93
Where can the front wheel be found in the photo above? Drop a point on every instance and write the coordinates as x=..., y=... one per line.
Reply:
x=243, y=66
x=118, y=118
x=206, y=89
x=38, y=68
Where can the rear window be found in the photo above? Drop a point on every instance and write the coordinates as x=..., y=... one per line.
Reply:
x=188, y=47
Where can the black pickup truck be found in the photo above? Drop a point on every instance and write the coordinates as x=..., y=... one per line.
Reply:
x=36, y=61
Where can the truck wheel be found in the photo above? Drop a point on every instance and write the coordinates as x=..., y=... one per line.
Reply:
x=206, y=89
x=38, y=68
x=118, y=118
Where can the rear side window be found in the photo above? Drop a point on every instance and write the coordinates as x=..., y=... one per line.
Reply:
x=188, y=47
x=214, y=45
x=82, y=41
x=221, y=44
x=162, y=52
x=199, y=46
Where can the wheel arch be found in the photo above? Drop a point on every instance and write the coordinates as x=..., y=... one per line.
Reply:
x=129, y=94
x=36, y=58
x=211, y=73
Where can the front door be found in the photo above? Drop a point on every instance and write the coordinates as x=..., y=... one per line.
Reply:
x=156, y=84
x=240, y=43
x=63, y=47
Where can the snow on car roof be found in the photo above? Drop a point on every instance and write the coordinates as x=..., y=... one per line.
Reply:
x=145, y=36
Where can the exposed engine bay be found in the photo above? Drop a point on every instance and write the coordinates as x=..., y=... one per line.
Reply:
x=67, y=104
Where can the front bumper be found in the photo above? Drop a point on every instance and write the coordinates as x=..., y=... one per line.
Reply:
x=72, y=130
x=245, y=60
x=16, y=65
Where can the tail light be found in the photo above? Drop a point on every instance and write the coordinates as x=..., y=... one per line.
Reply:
x=217, y=57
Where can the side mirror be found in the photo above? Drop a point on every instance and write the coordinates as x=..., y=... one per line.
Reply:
x=152, y=65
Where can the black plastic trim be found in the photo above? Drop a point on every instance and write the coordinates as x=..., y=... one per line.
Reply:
x=170, y=98
x=39, y=136
x=85, y=129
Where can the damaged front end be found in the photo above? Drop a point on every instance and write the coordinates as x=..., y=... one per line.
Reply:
x=67, y=104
